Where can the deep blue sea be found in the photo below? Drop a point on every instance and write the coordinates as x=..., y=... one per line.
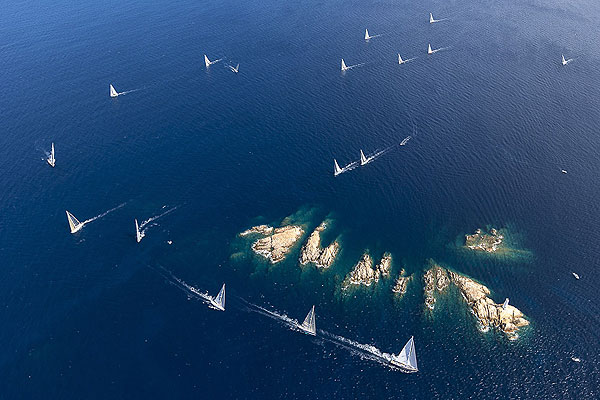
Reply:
x=494, y=118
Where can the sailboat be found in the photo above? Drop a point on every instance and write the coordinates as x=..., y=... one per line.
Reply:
x=74, y=223
x=505, y=304
x=138, y=234
x=308, y=326
x=363, y=159
x=113, y=92
x=400, y=60
x=564, y=61
x=407, y=359
x=575, y=275
x=208, y=63
x=336, y=168
x=367, y=37
x=219, y=301
x=51, y=160
x=344, y=67
x=236, y=69
x=433, y=20
x=429, y=51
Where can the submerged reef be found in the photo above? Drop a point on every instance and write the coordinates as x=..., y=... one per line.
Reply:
x=435, y=280
x=365, y=274
x=483, y=241
x=313, y=253
x=276, y=243
x=401, y=284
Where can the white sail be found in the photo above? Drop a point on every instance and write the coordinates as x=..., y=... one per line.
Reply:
x=336, y=168
x=367, y=37
x=234, y=69
x=505, y=303
x=309, y=325
x=407, y=359
x=51, y=160
x=429, y=51
x=138, y=234
x=74, y=223
x=363, y=159
x=400, y=60
x=431, y=19
x=113, y=92
x=219, y=301
x=206, y=61
x=344, y=65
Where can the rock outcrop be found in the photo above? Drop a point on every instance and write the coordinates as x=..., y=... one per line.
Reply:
x=401, y=284
x=364, y=273
x=277, y=242
x=483, y=241
x=313, y=253
x=436, y=280
x=489, y=314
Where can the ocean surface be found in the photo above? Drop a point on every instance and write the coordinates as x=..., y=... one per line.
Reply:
x=494, y=117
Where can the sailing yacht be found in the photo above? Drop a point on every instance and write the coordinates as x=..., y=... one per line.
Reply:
x=400, y=60
x=344, y=67
x=505, y=304
x=407, y=359
x=429, y=51
x=336, y=168
x=138, y=234
x=219, y=301
x=433, y=20
x=309, y=326
x=367, y=37
x=575, y=275
x=236, y=69
x=74, y=223
x=51, y=160
x=363, y=159
x=113, y=92
x=564, y=61
x=208, y=63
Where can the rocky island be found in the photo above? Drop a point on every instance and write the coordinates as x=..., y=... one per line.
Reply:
x=436, y=280
x=509, y=319
x=365, y=274
x=277, y=242
x=401, y=283
x=313, y=253
x=483, y=241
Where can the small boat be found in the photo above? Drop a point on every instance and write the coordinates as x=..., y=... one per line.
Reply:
x=219, y=301
x=344, y=67
x=236, y=69
x=113, y=92
x=563, y=171
x=576, y=359
x=575, y=275
x=336, y=168
x=363, y=159
x=208, y=63
x=169, y=242
x=431, y=19
x=308, y=326
x=51, y=160
x=429, y=51
x=564, y=61
x=367, y=37
x=138, y=234
x=407, y=359
x=74, y=223
x=400, y=60
x=505, y=304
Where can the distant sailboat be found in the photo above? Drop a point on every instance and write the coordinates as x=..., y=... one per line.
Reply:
x=363, y=159
x=336, y=168
x=219, y=301
x=429, y=51
x=344, y=67
x=138, y=234
x=236, y=69
x=433, y=20
x=208, y=63
x=564, y=61
x=400, y=60
x=51, y=160
x=74, y=223
x=505, y=304
x=309, y=326
x=575, y=275
x=113, y=92
x=367, y=37
x=407, y=359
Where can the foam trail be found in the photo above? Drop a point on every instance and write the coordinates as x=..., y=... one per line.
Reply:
x=182, y=285
x=364, y=351
x=130, y=91
x=353, y=66
x=409, y=60
x=103, y=214
x=349, y=167
x=440, y=49
x=151, y=219
x=284, y=319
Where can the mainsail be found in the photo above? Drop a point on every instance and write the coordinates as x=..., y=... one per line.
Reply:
x=336, y=168
x=309, y=325
x=431, y=19
x=505, y=303
x=429, y=51
x=138, y=234
x=74, y=223
x=367, y=37
x=51, y=159
x=219, y=301
x=400, y=60
x=113, y=92
x=344, y=65
x=408, y=357
x=363, y=159
x=206, y=61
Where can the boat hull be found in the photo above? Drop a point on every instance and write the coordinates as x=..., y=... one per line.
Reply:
x=216, y=306
x=404, y=367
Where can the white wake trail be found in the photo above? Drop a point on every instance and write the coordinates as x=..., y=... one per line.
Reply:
x=349, y=167
x=364, y=351
x=190, y=290
x=143, y=224
x=282, y=318
x=103, y=214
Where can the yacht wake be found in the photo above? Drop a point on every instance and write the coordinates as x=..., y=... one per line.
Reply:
x=364, y=351
x=144, y=224
x=188, y=289
x=282, y=318
x=87, y=221
x=349, y=167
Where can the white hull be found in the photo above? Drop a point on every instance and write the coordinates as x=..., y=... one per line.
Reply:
x=216, y=305
x=51, y=163
x=306, y=331
x=403, y=367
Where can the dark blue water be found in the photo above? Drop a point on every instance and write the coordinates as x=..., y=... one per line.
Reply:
x=494, y=118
